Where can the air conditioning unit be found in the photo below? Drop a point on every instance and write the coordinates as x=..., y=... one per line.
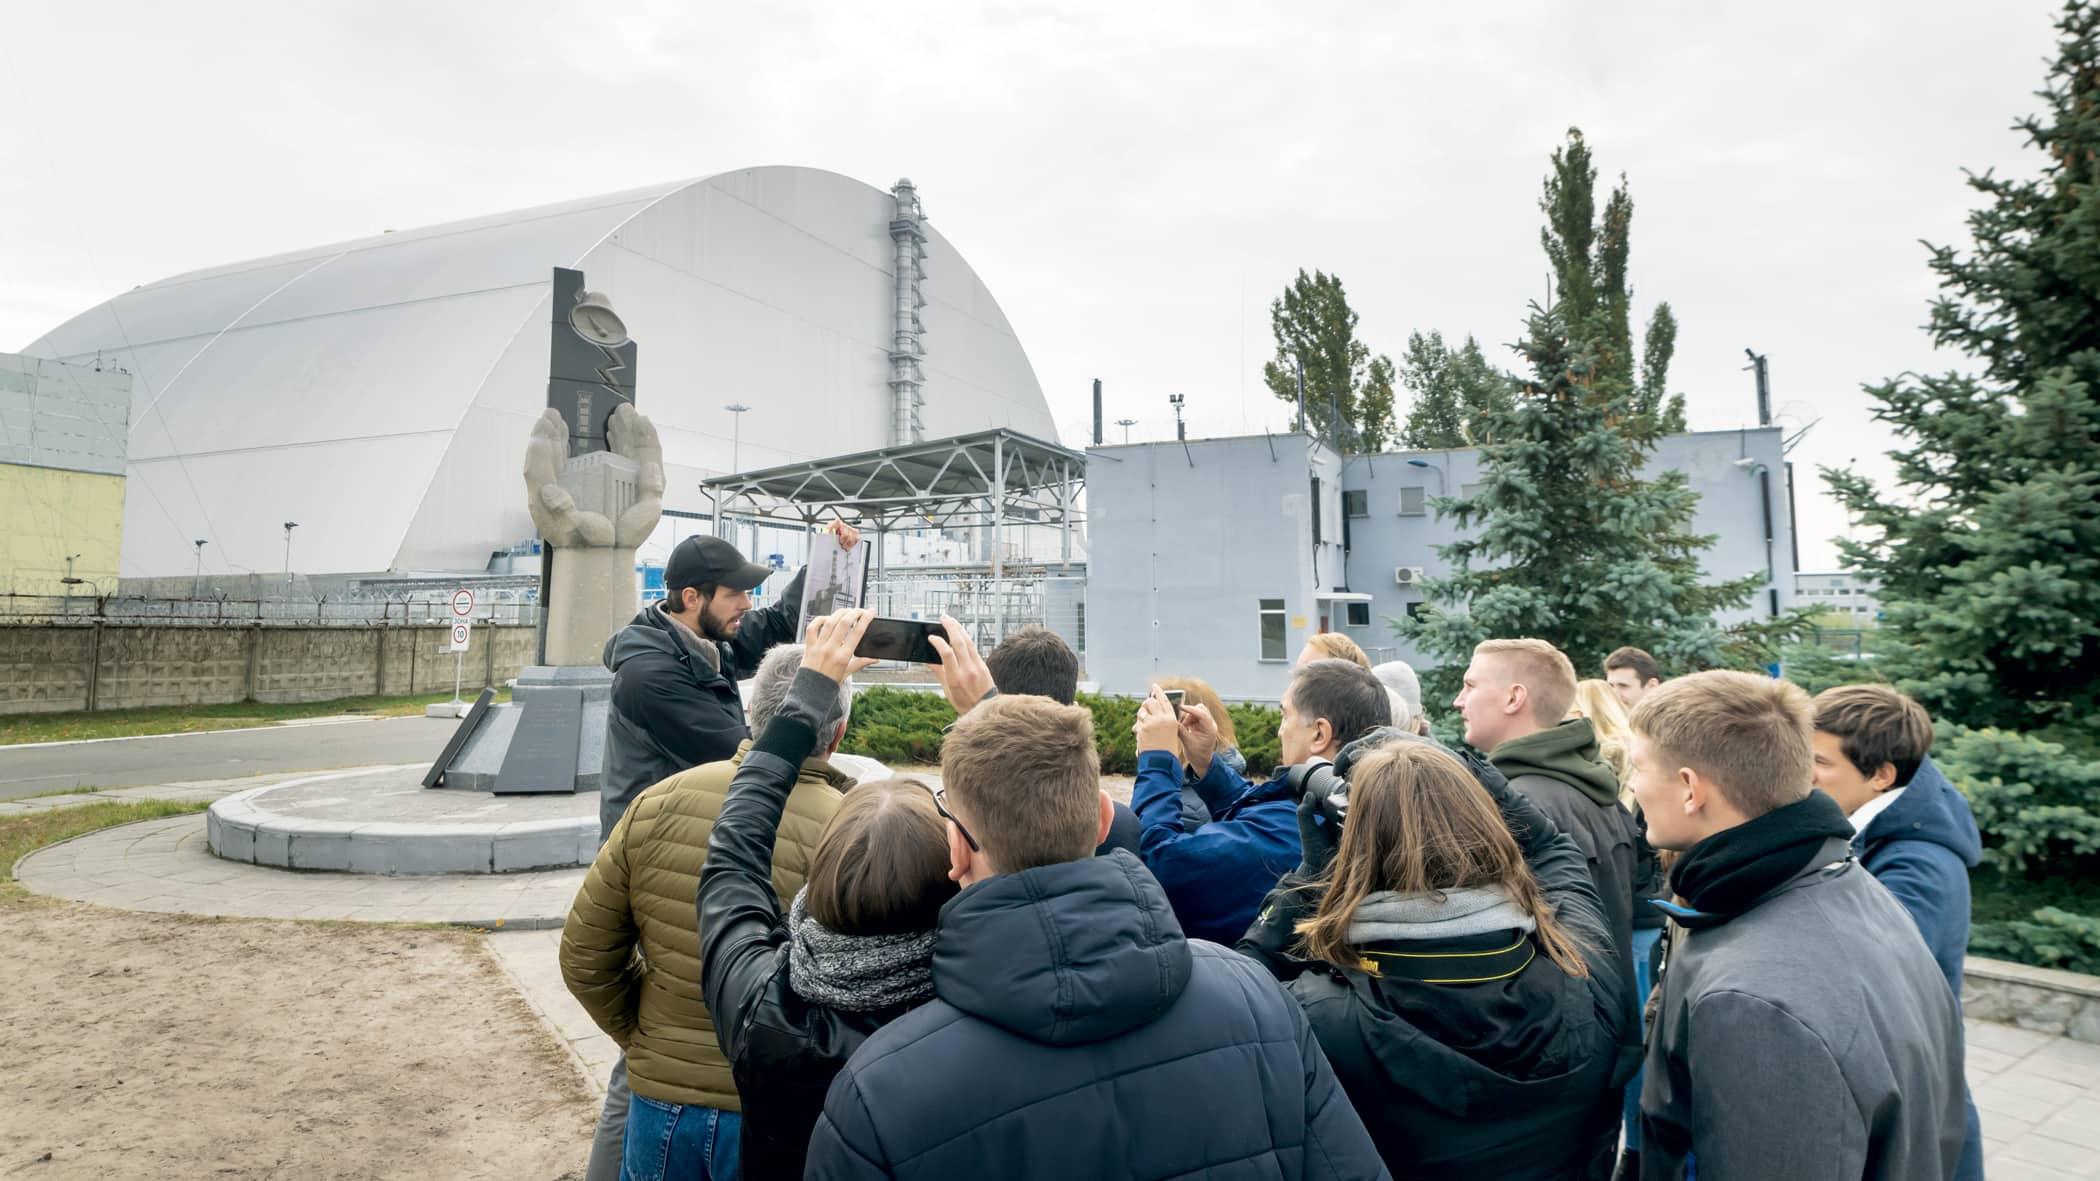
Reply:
x=1407, y=576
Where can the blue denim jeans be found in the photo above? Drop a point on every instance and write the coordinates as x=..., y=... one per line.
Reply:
x=1644, y=941
x=671, y=1140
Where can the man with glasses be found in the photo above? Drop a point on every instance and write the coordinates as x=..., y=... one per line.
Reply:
x=1072, y=1020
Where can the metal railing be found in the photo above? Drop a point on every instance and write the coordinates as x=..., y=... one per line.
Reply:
x=322, y=610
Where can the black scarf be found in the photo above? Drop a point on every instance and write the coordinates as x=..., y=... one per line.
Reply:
x=1724, y=874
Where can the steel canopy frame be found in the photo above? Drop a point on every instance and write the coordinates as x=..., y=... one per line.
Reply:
x=979, y=479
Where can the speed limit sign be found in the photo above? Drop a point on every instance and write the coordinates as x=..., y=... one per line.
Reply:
x=463, y=602
x=460, y=632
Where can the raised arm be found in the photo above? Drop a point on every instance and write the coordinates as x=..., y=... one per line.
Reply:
x=742, y=935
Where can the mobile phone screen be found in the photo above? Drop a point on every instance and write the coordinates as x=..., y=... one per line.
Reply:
x=899, y=639
x=1174, y=698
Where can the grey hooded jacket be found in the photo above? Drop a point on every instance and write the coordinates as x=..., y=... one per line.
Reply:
x=1810, y=1037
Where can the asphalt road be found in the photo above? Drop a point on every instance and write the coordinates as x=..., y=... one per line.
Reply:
x=178, y=758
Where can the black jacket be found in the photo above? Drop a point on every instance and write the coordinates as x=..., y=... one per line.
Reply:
x=1499, y=1080
x=1562, y=772
x=671, y=707
x=1077, y=1034
x=782, y=1050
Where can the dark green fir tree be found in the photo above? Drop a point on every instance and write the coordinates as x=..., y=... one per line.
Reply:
x=1988, y=549
x=1566, y=540
x=1348, y=391
x=1451, y=392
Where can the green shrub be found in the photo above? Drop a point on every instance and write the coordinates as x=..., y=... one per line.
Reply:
x=2036, y=804
x=898, y=726
x=2051, y=939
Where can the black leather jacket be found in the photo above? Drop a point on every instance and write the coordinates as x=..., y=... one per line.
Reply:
x=783, y=1051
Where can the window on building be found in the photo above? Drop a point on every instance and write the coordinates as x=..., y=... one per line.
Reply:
x=1414, y=500
x=1356, y=615
x=1469, y=491
x=1356, y=503
x=1316, y=507
x=1414, y=609
x=1272, y=630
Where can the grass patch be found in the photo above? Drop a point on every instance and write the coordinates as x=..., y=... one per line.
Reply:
x=25, y=834
x=190, y=719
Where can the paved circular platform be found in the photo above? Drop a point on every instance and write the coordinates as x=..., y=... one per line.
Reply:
x=163, y=866
x=382, y=820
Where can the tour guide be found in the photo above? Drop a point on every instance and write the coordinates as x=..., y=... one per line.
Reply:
x=675, y=667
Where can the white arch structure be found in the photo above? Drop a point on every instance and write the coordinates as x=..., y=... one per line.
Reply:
x=379, y=392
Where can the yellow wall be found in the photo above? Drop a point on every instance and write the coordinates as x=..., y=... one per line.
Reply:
x=46, y=514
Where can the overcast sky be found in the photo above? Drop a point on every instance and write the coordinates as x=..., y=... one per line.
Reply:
x=1134, y=183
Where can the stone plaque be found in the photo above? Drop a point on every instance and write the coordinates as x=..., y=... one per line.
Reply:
x=543, y=749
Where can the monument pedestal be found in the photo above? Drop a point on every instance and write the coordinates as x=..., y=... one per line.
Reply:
x=550, y=738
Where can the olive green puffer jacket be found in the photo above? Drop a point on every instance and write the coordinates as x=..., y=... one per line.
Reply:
x=630, y=951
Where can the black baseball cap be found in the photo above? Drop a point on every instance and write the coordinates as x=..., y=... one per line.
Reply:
x=697, y=561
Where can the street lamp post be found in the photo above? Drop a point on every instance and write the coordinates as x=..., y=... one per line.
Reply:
x=1442, y=489
x=1126, y=424
x=197, y=579
x=736, y=464
x=288, y=527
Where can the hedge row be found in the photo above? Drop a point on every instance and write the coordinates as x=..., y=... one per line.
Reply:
x=899, y=726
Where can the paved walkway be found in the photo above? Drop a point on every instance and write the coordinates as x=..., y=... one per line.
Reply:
x=164, y=866
x=196, y=790
x=532, y=961
x=2040, y=1101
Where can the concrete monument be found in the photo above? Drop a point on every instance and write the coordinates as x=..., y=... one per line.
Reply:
x=594, y=483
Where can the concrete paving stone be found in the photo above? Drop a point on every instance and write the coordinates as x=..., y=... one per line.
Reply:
x=2078, y=1123
x=2004, y=1127
x=2067, y=1067
x=2010, y=1168
x=272, y=848
x=2005, y=1039
x=2074, y=1159
x=1981, y=1061
x=543, y=849
x=2044, y=1094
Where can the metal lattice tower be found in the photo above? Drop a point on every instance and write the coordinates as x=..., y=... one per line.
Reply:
x=908, y=233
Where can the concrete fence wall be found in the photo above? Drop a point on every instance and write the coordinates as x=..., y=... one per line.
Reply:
x=46, y=668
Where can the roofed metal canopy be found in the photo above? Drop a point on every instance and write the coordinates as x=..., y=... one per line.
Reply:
x=941, y=483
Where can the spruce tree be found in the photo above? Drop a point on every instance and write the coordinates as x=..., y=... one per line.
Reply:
x=1452, y=392
x=1565, y=540
x=1988, y=549
x=1315, y=327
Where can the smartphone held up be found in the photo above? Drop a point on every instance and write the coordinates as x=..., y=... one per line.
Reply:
x=900, y=639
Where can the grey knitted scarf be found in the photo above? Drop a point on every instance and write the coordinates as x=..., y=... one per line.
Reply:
x=1385, y=916
x=856, y=973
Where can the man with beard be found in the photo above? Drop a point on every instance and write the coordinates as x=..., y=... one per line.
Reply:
x=675, y=667
x=675, y=706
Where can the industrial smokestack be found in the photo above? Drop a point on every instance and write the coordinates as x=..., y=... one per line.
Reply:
x=1097, y=412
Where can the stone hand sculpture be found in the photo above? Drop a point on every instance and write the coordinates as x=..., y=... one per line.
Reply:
x=554, y=510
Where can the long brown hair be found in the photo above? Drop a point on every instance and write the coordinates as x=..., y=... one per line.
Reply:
x=881, y=867
x=1200, y=693
x=1420, y=824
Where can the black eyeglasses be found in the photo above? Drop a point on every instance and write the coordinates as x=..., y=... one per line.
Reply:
x=940, y=804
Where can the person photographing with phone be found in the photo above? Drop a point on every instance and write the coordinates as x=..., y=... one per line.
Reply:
x=1217, y=876
x=1450, y=950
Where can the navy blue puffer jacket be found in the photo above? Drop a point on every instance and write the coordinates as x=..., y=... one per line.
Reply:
x=1077, y=1033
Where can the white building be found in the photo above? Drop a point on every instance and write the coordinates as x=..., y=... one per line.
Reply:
x=1218, y=558
x=379, y=392
x=1839, y=592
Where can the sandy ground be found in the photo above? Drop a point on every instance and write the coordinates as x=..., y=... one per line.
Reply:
x=158, y=1046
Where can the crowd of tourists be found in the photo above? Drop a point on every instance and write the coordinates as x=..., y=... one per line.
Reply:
x=1631, y=927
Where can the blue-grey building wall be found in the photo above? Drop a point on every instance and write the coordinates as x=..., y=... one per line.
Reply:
x=1183, y=546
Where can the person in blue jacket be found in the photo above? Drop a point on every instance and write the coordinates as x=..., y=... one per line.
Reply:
x=1217, y=876
x=1915, y=833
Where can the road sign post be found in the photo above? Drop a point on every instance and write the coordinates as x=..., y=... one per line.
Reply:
x=462, y=603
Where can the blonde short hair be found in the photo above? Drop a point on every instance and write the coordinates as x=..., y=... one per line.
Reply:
x=1749, y=734
x=1024, y=772
x=1544, y=671
x=1336, y=646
